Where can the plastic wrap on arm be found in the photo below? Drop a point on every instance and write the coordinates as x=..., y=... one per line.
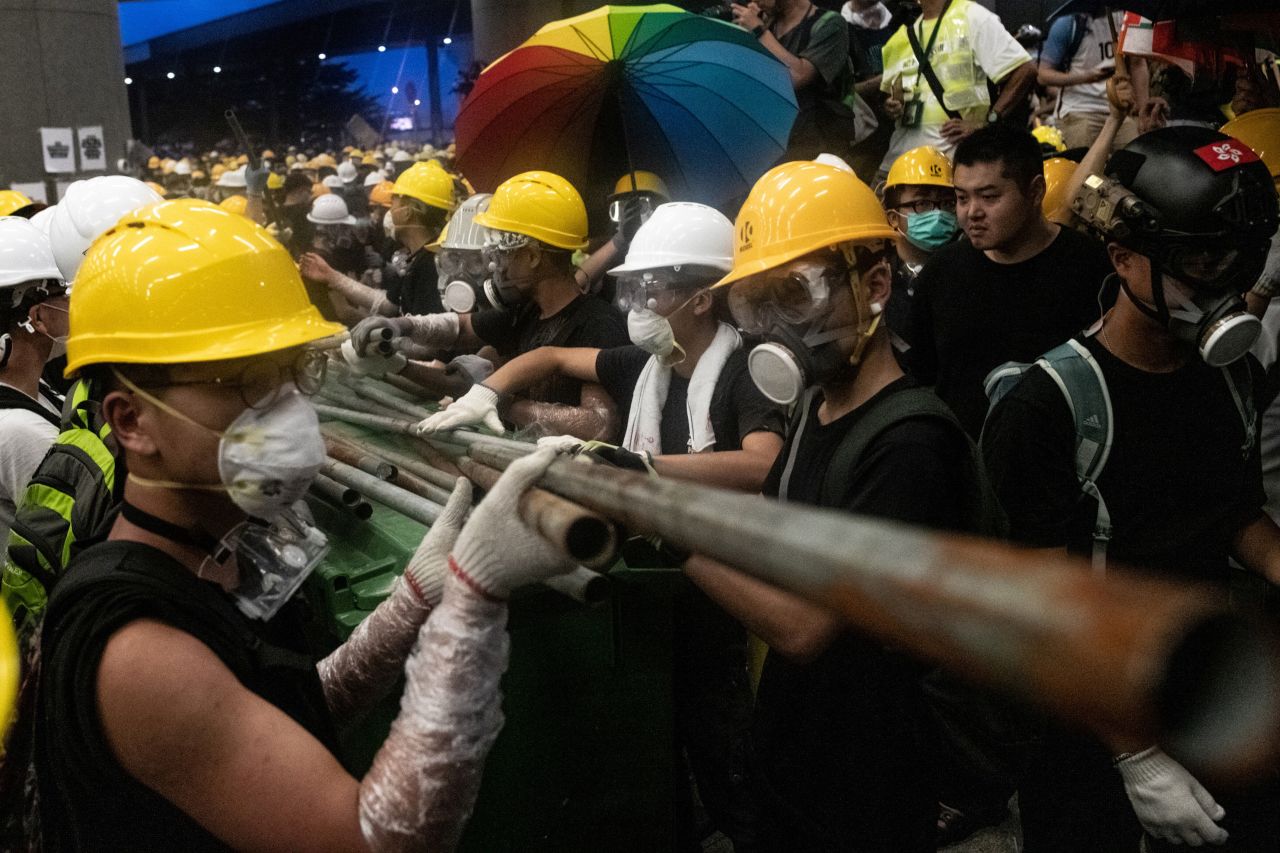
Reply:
x=369, y=299
x=595, y=420
x=423, y=783
x=435, y=330
x=361, y=671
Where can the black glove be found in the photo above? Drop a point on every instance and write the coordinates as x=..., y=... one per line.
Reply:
x=255, y=180
x=631, y=215
x=619, y=457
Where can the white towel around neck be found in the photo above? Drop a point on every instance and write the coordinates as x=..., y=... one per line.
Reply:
x=644, y=423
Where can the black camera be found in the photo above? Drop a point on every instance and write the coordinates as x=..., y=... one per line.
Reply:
x=720, y=11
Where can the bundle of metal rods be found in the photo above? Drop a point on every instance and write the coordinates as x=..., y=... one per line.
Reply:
x=1134, y=658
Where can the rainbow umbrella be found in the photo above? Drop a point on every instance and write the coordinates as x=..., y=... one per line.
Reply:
x=694, y=99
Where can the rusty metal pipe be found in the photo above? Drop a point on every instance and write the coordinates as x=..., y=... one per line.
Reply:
x=420, y=487
x=406, y=503
x=387, y=400
x=583, y=586
x=428, y=470
x=587, y=537
x=1133, y=658
x=351, y=455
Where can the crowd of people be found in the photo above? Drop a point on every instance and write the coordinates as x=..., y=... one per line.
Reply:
x=1051, y=325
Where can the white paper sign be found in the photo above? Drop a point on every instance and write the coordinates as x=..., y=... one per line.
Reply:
x=93, y=151
x=59, y=149
x=35, y=191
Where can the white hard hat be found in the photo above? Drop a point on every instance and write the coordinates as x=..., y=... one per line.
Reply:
x=87, y=210
x=333, y=182
x=833, y=160
x=330, y=209
x=679, y=233
x=43, y=218
x=233, y=179
x=25, y=255
x=183, y=167
x=347, y=172
x=373, y=178
x=401, y=157
x=296, y=166
x=464, y=232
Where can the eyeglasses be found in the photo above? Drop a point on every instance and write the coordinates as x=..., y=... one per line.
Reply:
x=927, y=205
x=261, y=383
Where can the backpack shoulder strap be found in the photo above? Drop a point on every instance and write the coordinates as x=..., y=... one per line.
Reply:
x=11, y=398
x=1079, y=377
x=1239, y=378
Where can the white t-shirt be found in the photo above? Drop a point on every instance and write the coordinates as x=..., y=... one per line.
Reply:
x=25, y=437
x=1095, y=49
x=972, y=47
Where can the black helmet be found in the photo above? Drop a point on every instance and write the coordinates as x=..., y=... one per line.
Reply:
x=1208, y=208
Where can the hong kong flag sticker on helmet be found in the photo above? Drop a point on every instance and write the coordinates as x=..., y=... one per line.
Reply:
x=1226, y=154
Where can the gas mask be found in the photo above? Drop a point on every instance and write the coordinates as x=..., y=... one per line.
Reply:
x=790, y=306
x=461, y=279
x=267, y=458
x=499, y=248
x=932, y=230
x=388, y=226
x=1216, y=323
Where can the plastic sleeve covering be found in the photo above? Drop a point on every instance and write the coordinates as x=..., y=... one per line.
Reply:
x=360, y=671
x=423, y=783
x=370, y=299
x=593, y=421
x=435, y=330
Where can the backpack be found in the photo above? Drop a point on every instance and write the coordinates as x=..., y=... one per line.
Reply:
x=1077, y=374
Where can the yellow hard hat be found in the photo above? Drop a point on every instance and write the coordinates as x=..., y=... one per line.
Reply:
x=11, y=200
x=168, y=165
x=242, y=160
x=324, y=160
x=429, y=183
x=9, y=669
x=1260, y=130
x=268, y=154
x=924, y=166
x=318, y=189
x=645, y=182
x=540, y=205
x=1057, y=174
x=198, y=175
x=355, y=153
x=209, y=286
x=435, y=246
x=381, y=193
x=347, y=149
x=369, y=160
x=158, y=188
x=153, y=162
x=802, y=207
x=237, y=204
x=217, y=170
x=1049, y=136
x=275, y=181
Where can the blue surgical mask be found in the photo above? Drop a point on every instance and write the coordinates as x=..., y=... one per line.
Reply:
x=931, y=231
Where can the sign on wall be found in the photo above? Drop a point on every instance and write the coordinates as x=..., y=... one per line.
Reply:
x=59, y=149
x=93, y=151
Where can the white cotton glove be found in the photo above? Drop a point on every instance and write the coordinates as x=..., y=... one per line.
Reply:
x=479, y=406
x=430, y=563
x=1169, y=802
x=374, y=364
x=497, y=552
x=561, y=443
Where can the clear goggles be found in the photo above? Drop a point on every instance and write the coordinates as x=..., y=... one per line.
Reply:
x=652, y=290
x=792, y=294
x=1208, y=265
x=460, y=263
x=620, y=205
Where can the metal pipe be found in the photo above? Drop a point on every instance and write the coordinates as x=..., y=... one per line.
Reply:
x=386, y=399
x=587, y=537
x=1131, y=657
x=358, y=458
x=406, y=503
x=334, y=492
x=421, y=488
x=582, y=585
x=389, y=423
x=384, y=423
x=435, y=471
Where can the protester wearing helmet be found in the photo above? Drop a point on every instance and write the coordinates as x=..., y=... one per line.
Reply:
x=178, y=706
x=460, y=260
x=840, y=721
x=1016, y=287
x=33, y=330
x=1187, y=214
x=535, y=221
x=634, y=198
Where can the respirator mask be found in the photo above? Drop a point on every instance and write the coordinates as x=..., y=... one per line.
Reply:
x=461, y=279
x=499, y=249
x=791, y=307
x=640, y=295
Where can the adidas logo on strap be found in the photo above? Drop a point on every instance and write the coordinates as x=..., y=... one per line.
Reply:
x=1092, y=421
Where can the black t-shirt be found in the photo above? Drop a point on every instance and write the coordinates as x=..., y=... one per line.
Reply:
x=1176, y=483
x=585, y=322
x=737, y=406
x=843, y=741
x=87, y=800
x=417, y=290
x=970, y=314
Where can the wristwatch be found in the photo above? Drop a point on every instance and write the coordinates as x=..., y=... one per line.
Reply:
x=758, y=30
x=992, y=116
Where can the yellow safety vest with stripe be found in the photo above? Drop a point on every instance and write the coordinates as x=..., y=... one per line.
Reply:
x=69, y=504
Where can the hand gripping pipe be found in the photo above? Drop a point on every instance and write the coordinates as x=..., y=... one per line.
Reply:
x=1126, y=655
